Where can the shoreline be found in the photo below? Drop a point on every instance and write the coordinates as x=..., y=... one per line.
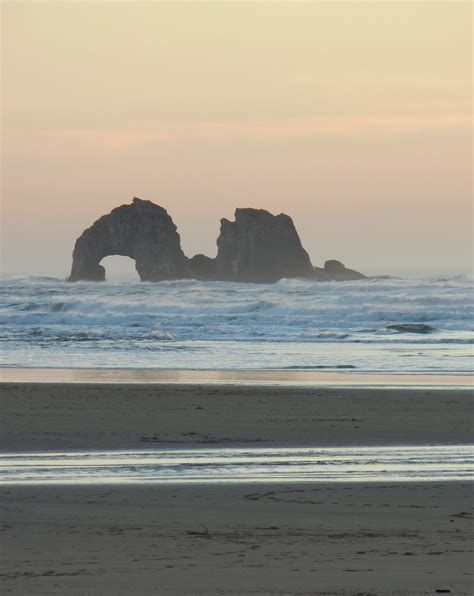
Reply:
x=277, y=377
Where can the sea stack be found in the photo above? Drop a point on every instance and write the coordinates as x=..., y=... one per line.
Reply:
x=142, y=231
x=260, y=247
x=336, y=271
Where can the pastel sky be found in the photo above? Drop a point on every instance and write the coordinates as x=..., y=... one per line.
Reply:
x=353, y=117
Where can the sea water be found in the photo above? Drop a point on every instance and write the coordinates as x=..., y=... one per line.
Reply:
x=368, y=326
x=239, y=465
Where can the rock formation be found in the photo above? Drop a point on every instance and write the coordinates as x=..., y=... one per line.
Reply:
x=336, y=271
x=257, y=247
x=202, y=267
x=260, y=247
x=142, y=231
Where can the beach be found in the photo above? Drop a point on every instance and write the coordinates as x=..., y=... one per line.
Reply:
x=48, y=417
x=288, y=538
x=302, y=539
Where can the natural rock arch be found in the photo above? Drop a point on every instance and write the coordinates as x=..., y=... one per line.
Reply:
x=142, y=231
x=257, y=247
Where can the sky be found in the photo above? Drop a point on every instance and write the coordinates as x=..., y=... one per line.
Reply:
x=355, y=118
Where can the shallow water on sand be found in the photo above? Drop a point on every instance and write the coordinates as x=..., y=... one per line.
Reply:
x=289, y=378
x=238, y=465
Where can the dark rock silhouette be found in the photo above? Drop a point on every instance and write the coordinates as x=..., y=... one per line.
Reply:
x=337, y=271
x=260, y=247
x=142, y=231
x=422, y=328
x=202, y=267
x=257, y=247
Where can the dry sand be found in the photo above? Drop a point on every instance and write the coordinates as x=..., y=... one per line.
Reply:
x=46, y=416
x=406, y=538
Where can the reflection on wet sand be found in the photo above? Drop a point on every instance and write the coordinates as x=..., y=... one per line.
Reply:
x=237, y=465
x=231, y=377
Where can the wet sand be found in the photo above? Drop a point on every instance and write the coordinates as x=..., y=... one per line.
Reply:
x=397, y=538
x=43, y=416
x=342, y=376
x=308, y=539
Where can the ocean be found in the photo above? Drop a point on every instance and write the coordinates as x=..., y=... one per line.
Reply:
x=378, y=325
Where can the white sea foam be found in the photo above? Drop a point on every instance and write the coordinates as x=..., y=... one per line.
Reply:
x=375, y=325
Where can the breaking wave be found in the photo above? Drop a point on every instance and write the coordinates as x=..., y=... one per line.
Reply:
x=47, y=320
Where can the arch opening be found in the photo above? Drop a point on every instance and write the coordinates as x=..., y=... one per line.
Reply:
x=119, y=268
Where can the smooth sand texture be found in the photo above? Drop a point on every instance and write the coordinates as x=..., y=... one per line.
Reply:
x=308, y=378
x=302, y=539
x=366, y=539
x=75, y=416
